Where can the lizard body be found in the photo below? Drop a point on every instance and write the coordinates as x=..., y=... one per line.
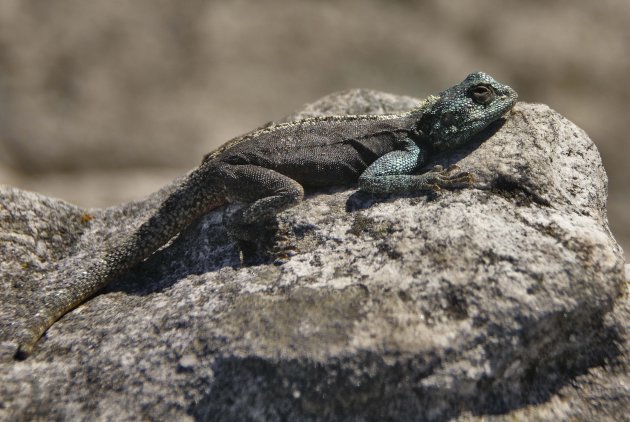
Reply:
x=268, y=169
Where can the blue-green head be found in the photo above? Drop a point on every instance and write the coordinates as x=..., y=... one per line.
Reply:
x=455, y=115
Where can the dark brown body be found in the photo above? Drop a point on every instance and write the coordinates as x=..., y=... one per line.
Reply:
x=336, y=153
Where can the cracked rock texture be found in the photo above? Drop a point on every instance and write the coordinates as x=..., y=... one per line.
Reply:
x=507, y=300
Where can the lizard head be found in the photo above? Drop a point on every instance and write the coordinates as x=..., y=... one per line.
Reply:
x=463, y=110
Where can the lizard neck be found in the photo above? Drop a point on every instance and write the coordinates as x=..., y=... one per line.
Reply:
x=417, y=117
x=420, y=110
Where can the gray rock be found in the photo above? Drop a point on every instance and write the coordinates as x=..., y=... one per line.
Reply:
x=483, y=301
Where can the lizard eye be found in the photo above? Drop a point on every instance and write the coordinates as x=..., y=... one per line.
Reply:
x=482, y=94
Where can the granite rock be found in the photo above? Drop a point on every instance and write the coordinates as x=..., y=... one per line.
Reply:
x=455, y=304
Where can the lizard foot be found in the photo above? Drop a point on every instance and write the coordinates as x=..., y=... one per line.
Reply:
x=451, y=178
x=284, y=245
x=262, y=242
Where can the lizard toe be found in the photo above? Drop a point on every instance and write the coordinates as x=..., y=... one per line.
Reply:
x=452, y=168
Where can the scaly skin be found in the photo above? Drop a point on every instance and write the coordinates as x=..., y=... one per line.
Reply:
x=268, y=168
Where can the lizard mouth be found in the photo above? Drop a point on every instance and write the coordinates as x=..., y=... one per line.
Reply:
x=506, y=101
x=511, y=96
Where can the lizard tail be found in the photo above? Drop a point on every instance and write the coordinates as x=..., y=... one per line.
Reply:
x=199, y=193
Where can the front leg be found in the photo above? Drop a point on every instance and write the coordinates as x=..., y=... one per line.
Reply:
x=393, y=173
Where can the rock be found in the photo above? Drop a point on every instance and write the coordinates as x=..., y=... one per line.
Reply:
x=456, y=304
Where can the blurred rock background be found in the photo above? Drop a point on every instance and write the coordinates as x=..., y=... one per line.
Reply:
x=107, y=100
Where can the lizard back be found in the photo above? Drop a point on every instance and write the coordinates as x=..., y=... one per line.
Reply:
x=330, y=124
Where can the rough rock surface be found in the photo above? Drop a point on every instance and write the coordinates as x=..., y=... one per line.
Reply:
x=494, y=300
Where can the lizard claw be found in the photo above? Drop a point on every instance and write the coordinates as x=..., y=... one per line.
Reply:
x=452, y=168
x=284, y=245
x=450, y=178
x=265, y=241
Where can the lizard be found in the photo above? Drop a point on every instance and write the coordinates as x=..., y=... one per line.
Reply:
x=267, y=169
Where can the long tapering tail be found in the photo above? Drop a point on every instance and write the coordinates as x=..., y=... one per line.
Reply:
x=200, y=192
